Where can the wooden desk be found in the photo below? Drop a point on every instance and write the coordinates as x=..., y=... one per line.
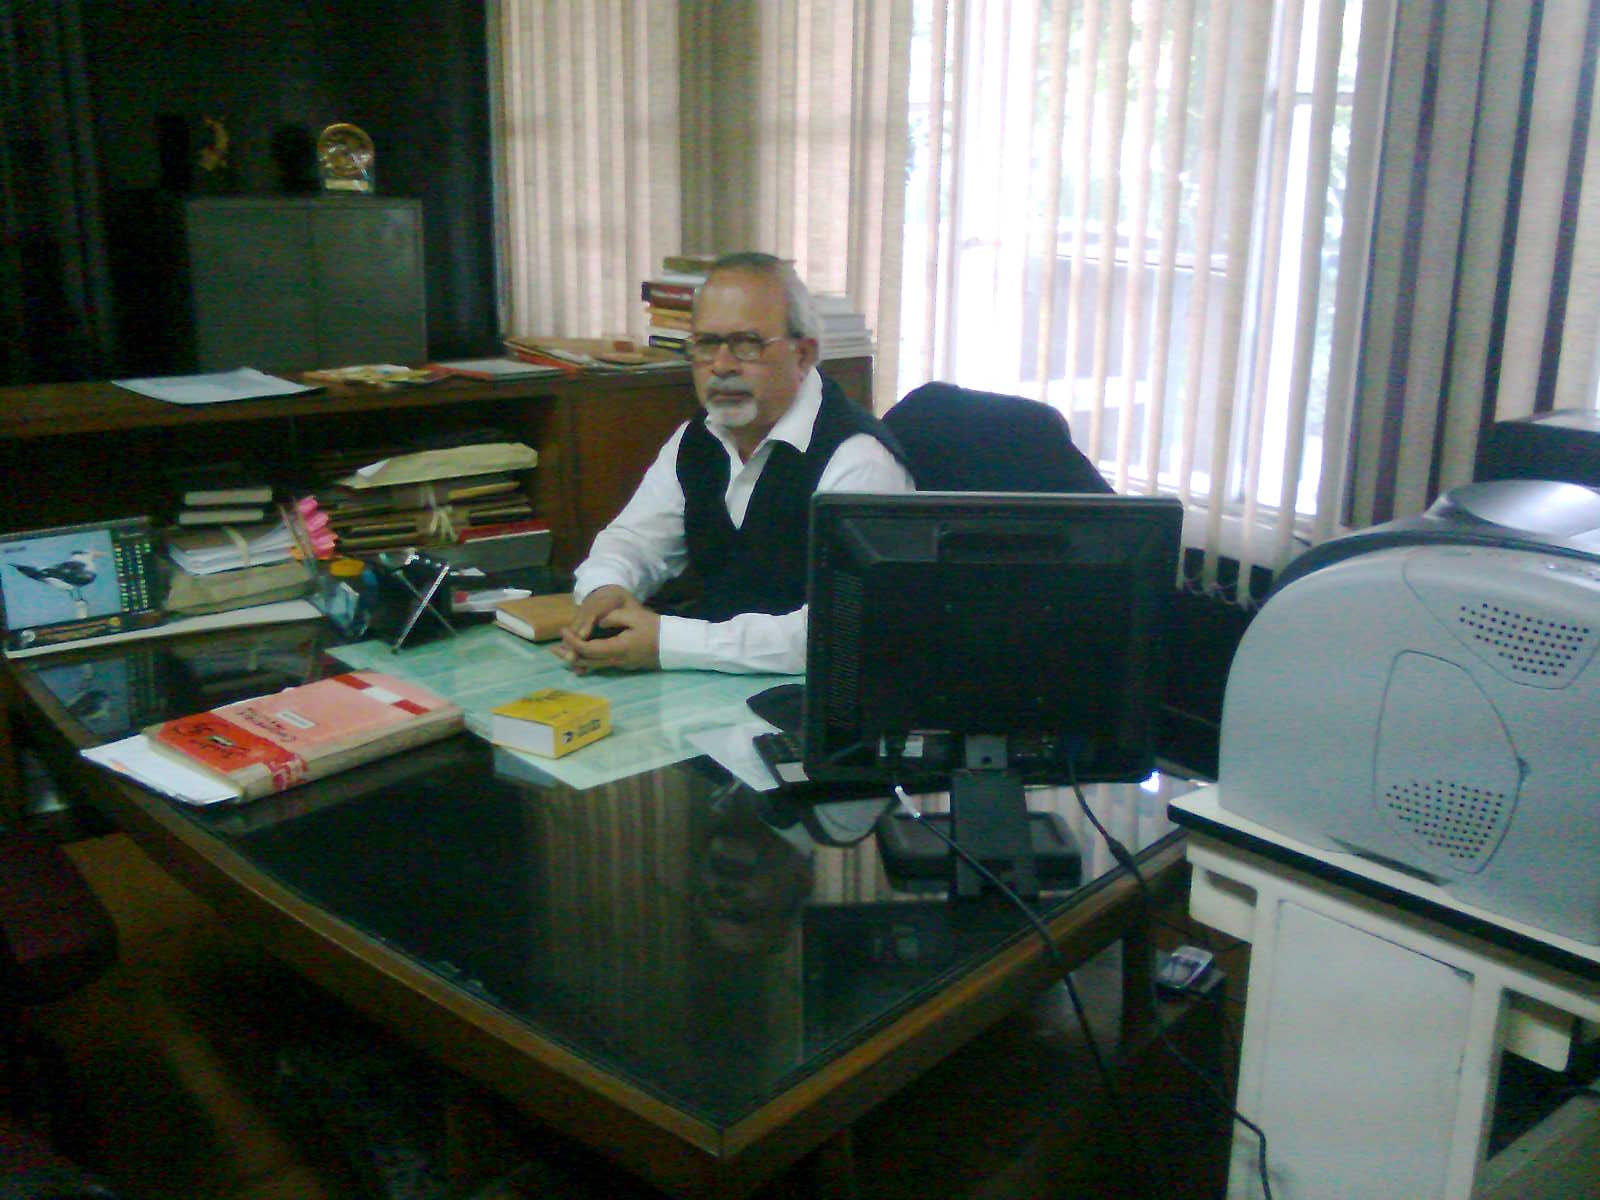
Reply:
x=88, y=451
x=555, y=947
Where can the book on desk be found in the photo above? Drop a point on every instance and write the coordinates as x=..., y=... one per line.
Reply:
x=268, y=744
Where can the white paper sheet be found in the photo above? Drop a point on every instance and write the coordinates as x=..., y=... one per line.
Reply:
x=133, y=757
x=246, y=383
x=733, y=746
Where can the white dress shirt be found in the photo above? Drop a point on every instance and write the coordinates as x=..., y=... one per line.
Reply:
x=644, y=547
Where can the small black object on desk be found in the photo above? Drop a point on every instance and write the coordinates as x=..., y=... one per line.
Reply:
x=782, y=705
x=411, y=585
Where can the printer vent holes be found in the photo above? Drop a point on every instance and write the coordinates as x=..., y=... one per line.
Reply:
x=1459, y=820
x=1525, y=644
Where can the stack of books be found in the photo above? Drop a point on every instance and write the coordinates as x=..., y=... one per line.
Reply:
x=669, y=299
x=844, y=330
x=434, y=499
x=225, y=493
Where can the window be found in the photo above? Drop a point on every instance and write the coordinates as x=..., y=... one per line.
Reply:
x=1106, y=210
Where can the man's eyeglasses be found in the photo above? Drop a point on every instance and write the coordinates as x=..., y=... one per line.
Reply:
x=746, y=345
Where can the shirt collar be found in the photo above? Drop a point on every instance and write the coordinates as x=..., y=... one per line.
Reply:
x=794, y=426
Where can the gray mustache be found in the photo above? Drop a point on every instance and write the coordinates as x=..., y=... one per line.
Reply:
x=729, y=387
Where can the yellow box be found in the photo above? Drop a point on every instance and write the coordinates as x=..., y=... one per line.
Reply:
x=551, y=722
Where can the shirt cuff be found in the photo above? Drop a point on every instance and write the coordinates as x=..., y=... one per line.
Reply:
x=584, y=582
x=681, y=643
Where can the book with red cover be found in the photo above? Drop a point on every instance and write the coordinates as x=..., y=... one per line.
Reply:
x=273, y=742
x=478, y=533
x=668, y=295
x=543, y=360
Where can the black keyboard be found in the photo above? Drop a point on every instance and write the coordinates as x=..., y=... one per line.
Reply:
x=784, y=754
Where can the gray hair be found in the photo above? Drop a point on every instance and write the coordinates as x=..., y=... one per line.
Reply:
x=801, y=318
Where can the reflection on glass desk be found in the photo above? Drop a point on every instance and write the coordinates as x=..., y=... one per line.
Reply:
x=117, y=690
x=709, y=945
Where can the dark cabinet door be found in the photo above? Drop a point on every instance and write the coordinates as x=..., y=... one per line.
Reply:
x=291, y=284
x=367, y=269
x=253, y=305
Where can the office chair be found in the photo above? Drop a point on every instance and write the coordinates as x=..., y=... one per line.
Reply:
x=55, y=938
x=960, y=440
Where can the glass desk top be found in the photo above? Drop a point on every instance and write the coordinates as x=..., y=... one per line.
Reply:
x=709, y=944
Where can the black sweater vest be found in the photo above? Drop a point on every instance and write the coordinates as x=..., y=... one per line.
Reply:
x=760, y=566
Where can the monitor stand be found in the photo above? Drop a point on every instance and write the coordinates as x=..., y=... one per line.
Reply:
x=989, y=820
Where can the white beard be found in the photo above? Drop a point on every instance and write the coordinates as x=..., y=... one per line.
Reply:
x=731, y=411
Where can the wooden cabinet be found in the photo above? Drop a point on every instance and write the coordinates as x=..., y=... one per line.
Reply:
x=281, y=283
x=88, y=451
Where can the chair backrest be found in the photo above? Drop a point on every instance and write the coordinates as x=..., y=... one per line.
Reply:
x=959, y=440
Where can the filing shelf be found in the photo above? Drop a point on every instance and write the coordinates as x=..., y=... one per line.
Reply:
x=90, y=451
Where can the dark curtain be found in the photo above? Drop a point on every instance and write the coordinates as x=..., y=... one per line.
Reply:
x=55, y=311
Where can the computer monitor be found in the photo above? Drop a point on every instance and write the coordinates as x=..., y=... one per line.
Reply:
x=991, y=640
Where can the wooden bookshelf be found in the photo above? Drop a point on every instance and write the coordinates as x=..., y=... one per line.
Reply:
x=90, y=451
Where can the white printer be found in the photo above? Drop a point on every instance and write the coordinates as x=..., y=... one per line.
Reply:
x=1427, y=694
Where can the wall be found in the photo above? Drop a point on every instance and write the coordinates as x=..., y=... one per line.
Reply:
x=412, y=73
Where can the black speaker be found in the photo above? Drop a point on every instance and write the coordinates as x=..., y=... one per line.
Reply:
x=1562, y=445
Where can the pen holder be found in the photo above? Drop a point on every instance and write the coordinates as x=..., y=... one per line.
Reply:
x=412, y=604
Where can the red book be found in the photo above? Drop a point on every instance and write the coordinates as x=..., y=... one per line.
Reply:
x=544, y=360
x=274, y=742
x=667, y=295
x=476, y=533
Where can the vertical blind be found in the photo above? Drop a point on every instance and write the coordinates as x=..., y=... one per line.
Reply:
x=1486, y=257
x=1281, y=258
x=794, y=116
x=586, y=159
x=627, y=130
x=1154, y=215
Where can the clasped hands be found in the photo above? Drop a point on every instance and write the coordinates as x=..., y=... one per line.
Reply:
x=634, y=646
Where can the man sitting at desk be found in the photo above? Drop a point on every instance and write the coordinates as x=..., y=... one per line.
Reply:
x=728, y=496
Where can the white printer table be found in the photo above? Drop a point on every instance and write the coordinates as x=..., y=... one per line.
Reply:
x=1377, y=1012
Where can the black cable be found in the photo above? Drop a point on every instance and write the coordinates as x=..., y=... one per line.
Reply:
x=1022, y=906
x=1126, y=861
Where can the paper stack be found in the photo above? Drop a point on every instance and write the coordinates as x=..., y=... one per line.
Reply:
x=229, y=547
x=435, y=498
x=257, y=747
x=844, y=330
x=492, y=370
x=209, y=550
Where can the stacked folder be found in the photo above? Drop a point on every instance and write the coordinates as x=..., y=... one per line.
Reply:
x=230, y=566
x=433, y=498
